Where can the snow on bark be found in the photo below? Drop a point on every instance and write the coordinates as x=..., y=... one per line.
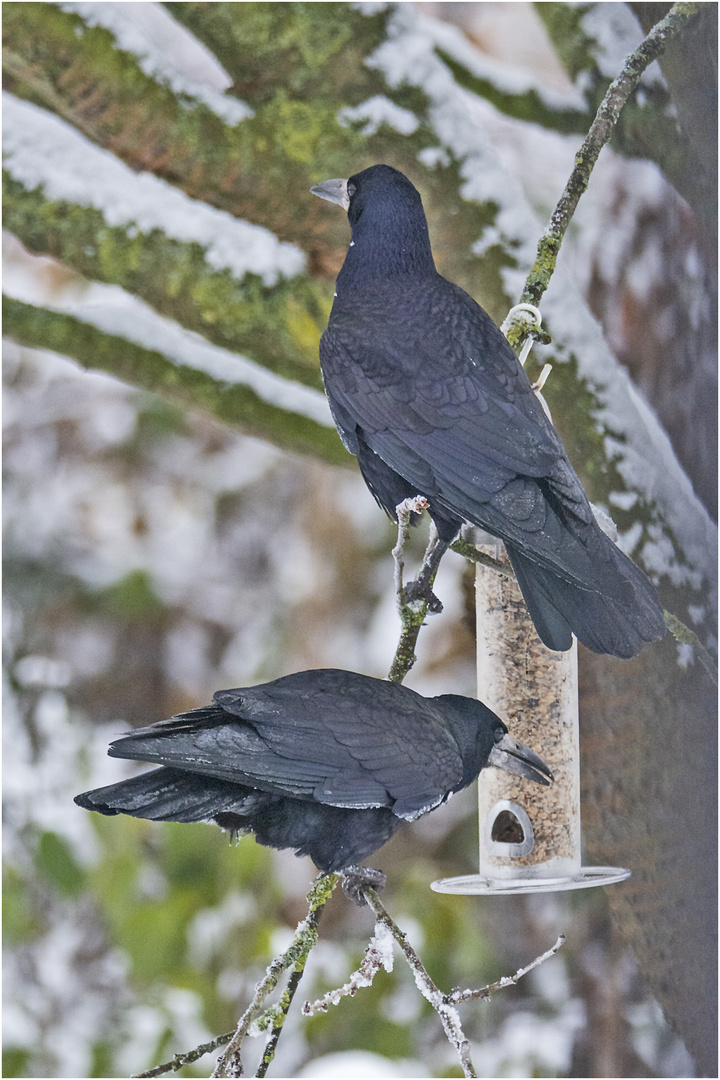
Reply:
x=378, y=954
x=42, y=151
x=133, y=27
x=115, y=311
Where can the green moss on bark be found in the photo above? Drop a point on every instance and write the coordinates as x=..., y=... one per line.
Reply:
x=279, y=327
x=236, y=405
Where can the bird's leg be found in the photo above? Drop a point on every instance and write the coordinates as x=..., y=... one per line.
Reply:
x=355, y=878
x=421, y=587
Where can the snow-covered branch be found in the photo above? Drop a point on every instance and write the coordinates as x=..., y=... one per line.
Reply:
x=442, y=1003
x=183, y=368
x=378, y=956
x=295, y=956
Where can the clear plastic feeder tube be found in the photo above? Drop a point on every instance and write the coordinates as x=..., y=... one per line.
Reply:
x=529, y=833
x=528, y=828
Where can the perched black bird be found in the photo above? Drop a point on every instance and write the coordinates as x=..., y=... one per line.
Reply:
x=328, y=762
x=429, y=396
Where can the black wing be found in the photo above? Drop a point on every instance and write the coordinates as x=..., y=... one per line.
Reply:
x=332, y=736
x=436, y=392
x=429, y=365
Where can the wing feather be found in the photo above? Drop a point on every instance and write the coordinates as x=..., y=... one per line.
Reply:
x=470, y=436
x=336, y=736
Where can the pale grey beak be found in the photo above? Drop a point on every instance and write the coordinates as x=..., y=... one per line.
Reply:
x=334, y=191
x=515, y=758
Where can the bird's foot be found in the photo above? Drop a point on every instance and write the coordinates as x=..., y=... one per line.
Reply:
x=420, y=590
x=356, y=878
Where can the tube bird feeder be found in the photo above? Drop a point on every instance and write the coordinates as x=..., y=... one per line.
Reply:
x=529, y=834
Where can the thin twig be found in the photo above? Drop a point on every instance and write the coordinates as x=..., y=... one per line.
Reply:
x=280, y=1013
x=456, y=996
x=404, y=512
x=186, y=1059
x=469, y=551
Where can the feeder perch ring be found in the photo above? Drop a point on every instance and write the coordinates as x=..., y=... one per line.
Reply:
x=478, y=885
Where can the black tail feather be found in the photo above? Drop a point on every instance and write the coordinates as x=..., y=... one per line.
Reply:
x=167, y=794
x=558, y=607
x=333, y=836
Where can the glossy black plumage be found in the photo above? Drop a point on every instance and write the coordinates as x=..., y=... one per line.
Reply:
x=327, y=762
x=429, y=396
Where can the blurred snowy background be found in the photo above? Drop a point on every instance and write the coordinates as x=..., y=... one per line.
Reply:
x=154, y=555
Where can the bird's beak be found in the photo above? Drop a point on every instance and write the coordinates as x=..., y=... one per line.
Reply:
x=334, y=191
x=515, y=758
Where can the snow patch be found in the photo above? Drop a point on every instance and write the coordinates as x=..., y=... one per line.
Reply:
x=506, y=78
x=379, y=111
x=491, y=237
x=371, y=7
x=625, y=500
x=697, y=613
x=432, y=156
x=361, y=1064
x=630, y=539
x=135, y=25
x=382, y=942
x=614, y=33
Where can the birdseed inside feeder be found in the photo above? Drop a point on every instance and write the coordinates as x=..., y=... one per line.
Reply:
x=529, y=835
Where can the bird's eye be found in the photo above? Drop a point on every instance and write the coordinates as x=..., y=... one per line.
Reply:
x=351, y=189
x=500, y=733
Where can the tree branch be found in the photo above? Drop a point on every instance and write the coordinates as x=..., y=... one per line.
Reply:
x=276, y=326
x=600, y=131
x=469, y=551
x=456, y=996
x=376, y=957
x=278, y=1016
x=238, y=406
x=187, y=1058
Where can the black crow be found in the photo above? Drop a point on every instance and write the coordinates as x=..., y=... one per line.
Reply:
x=328, y=762
x=429, y=396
